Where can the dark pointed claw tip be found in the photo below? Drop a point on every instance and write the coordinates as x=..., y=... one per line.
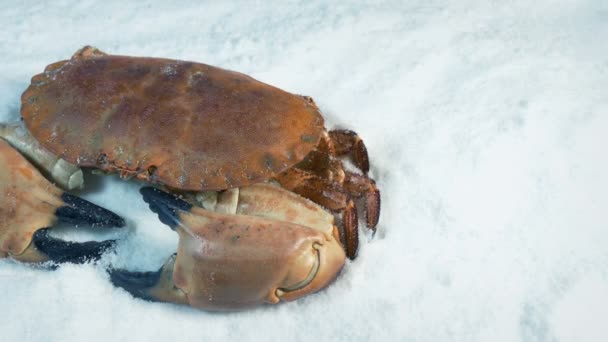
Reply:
x=79, y=211
x=136, y=283
x=165, y=205
x=61, y=251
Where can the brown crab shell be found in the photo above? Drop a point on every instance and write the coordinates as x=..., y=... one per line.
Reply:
x=186, y=125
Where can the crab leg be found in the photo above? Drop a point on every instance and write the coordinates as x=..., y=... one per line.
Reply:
x=67, y=175
x=323, y=171
x=328, y=195
x=362, y=186
x=227, y=261
x=29, y=204
x=346, y=142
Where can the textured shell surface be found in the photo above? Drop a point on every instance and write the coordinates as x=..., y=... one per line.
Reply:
x=186, y=125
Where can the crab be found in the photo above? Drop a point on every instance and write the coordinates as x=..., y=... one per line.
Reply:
x=265, y=199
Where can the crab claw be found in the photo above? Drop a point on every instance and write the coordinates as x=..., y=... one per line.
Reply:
x=157, y=286
x=274, y=246
x=29, y=205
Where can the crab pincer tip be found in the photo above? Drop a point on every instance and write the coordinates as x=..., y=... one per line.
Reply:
x=165, y=205
x=60, y=251
x=79, y=211
x=136, y=283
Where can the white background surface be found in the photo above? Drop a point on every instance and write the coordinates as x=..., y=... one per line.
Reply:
x=486, y=124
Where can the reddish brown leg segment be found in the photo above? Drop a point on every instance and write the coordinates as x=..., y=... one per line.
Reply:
x=372, y=204
x=321, y=178
x=362, y=186
x=351, y=230
x=348, y=143
x=328, y=195
x=315, y=188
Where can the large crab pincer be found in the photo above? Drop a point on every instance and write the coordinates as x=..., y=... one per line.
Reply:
x=29, y=205
x=262, y=244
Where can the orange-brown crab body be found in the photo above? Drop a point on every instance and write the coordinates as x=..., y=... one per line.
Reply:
x=194, y=127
